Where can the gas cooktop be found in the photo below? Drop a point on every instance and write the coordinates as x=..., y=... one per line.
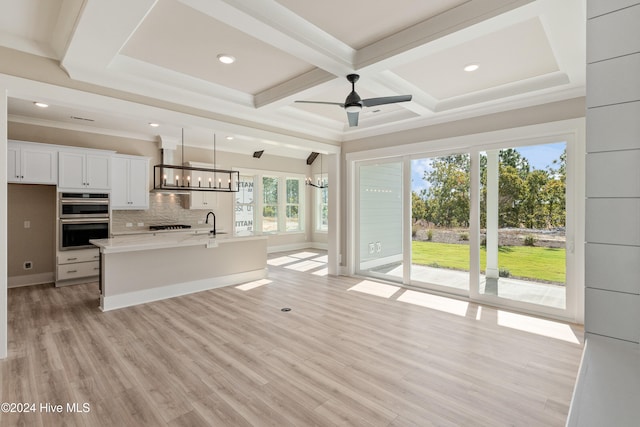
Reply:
x=169, y=227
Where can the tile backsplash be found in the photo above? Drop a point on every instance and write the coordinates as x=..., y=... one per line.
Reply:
x=163, y=209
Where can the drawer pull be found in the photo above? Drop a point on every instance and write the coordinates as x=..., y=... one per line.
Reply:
x=72, y=271
x=71, y=259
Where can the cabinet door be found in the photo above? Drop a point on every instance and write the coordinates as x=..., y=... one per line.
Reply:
x=139, y=183
x=13, y=163
x=120, y=183
x=71, y=170
x=98, y=172
x=39, y=166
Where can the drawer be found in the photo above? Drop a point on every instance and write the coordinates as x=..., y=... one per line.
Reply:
x=78, y=270
x=83, y=255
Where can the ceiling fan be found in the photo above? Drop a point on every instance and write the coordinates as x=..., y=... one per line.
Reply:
x=353, y=104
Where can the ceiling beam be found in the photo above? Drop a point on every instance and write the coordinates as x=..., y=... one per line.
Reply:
x=102, y=30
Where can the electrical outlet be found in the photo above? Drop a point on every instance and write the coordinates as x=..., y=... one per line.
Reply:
x=28, y=265
x=372, y=248
x=27, y=224
x=129, y=224
x=378, y=247
x=141, y=224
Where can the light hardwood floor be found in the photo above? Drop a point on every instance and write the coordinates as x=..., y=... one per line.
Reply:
x=231, y=357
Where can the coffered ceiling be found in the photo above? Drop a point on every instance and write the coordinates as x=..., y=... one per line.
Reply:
x=527, y=52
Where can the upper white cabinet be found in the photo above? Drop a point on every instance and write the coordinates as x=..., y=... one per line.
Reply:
x=204, y=179
x=31, y=163
x=203, y=200
x=129, y=182
x=84, y=170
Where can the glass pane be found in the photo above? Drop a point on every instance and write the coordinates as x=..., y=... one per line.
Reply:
x=245, y=192
x=270, y=190
x=380, y=220
x=293, y=220
x=440, y=209
x=523, y=219
x=244, y=210
x=293, y=189
x=269, y=218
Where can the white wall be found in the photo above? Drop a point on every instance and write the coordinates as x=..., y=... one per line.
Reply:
x=612, y=275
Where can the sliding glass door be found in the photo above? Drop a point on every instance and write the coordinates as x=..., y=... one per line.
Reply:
x=523, y=224
x=488, y=224
x=440, y=212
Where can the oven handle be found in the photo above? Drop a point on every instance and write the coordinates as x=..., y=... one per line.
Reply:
x=84, y=201
x=82, y=220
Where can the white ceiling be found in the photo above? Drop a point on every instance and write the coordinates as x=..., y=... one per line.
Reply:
x=529, y=52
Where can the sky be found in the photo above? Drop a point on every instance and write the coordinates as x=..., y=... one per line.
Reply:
x=539, y=157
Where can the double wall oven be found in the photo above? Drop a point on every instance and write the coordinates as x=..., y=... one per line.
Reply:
x=83, y=217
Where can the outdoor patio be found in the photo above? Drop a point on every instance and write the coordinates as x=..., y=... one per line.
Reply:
x=549, y=295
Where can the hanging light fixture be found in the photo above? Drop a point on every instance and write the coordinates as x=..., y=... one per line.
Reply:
x=322, y=183
x=180, y=178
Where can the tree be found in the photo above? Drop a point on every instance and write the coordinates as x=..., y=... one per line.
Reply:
x=448, y=194
x=534, y=215
x=418, y=207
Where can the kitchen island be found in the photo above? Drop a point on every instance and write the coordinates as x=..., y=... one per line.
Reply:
x=148, y=267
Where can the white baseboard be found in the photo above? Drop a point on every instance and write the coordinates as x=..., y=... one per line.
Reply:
x=366, y=265
x=170, y=291
x=30, y=279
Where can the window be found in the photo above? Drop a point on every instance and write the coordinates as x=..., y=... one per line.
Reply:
x=293, y=205
x=245, y=206
x=270, y=204
x=322, y=206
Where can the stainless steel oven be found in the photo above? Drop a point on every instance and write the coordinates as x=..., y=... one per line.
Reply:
x=83, y=217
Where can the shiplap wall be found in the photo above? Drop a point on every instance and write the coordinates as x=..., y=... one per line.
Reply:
x=612, y=272
x=381, y=223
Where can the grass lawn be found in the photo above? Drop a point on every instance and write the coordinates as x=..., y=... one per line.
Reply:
x=529, y=262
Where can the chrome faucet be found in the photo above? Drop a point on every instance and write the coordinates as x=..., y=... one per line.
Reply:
x=206, y=221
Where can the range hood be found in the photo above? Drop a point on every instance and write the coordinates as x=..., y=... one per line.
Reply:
x=180, y=179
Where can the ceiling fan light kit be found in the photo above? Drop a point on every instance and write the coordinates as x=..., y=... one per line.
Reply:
x=353, y=103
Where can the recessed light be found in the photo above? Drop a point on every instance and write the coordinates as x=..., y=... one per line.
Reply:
x=471, y=67
x=154, y=125
x=226, y=59
x=229, y=138
x=40, y=104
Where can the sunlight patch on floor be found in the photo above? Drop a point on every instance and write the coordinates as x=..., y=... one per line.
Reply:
x=281, y=260
x=302, y=255
x=252, y=285
x=447, y=305
x=321, y=272
x=304, y=265
x=534, y=325
x=375, y=288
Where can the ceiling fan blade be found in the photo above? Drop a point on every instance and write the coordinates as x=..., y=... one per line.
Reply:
x=372, y=102
x=353, y=119
x=340, y=104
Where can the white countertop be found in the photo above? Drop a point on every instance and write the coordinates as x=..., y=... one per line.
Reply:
x=162, y=240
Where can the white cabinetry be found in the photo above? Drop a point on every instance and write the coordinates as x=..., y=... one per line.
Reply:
x=77, y=266
x=129, y=182
x=32, y=163
x=202, y=199
x=84, y=170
